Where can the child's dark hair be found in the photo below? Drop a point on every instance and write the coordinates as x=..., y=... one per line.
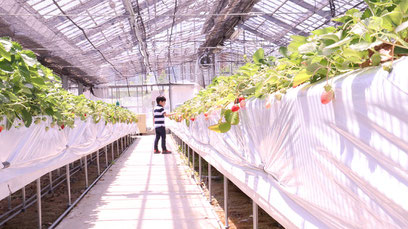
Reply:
x=160, y=99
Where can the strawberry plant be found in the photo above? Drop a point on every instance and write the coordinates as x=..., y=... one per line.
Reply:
x=373, y=37
x=31, y=93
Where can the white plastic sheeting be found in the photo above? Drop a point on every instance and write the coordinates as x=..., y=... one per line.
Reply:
x=33, y=152
x=309, y=165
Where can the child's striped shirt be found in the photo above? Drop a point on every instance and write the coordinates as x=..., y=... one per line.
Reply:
x=159, y=116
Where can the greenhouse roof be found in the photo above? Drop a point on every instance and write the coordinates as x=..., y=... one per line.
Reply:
x=99, y=41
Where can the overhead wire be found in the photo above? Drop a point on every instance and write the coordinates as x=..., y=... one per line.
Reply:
x=86, y=36
x=170, y=45
x=171, y=33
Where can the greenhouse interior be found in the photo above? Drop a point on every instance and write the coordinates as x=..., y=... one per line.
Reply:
x=203, y=114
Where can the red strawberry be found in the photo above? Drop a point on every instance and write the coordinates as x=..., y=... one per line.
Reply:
x=62, y=126
x=327, y=95
x=85, y=115
x=206, y=114
x=234, y=108
x=192, y=119
x=1, y=128
x=242, y=104
x=240, y=99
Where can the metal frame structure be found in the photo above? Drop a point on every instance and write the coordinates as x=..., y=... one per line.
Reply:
x=54, y=183
x=108, y=42
x=186, y=149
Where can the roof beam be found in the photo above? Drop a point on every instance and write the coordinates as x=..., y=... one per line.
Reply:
x=256, y=32
x=178, y=20
x=139, y=32
x=104, y=48
x=107, y=24
x=301, y=20
x=224, y=26
x=324, y=14
x=281, y=23
x=40, y=39
x=170, y=12
x=210, y=22
x=80, y=9
x=102, y=27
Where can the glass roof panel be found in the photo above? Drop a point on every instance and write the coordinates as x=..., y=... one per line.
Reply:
x=109, y=38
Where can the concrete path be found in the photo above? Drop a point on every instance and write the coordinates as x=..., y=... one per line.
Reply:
x=144, y=190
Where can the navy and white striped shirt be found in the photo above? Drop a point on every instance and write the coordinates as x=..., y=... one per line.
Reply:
x=159, y=116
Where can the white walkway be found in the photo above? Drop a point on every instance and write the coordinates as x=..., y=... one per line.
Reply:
x=143, y=190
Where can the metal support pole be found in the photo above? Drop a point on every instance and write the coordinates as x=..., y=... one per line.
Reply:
x=170, y=98
x=255, y=214
x=106, y=156
x=51, y=188
x=24, y=198
x=39, y=202
x=117, y=146
x=113, y=156
x=68, y=185
x=86, y=171
x=192, y=151
x=199, y=168
x=97, y=162
x=9, y=202
x=226, y=201
x=188, y=156
x=59, y=172
x=209, y=182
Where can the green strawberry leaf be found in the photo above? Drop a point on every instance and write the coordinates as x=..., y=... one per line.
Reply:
x=259, y=56
x=235, y=118
x=228, y=115
x=3, y=53
x=27, y=118
x=301, y=77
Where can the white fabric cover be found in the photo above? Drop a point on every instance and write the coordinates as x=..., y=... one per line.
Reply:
x=33, y=152
x=309, y=165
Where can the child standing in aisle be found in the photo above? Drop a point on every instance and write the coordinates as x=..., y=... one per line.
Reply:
x=160, y=128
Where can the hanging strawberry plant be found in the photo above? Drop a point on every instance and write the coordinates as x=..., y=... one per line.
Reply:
x=31, y=93
x=370, y=38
